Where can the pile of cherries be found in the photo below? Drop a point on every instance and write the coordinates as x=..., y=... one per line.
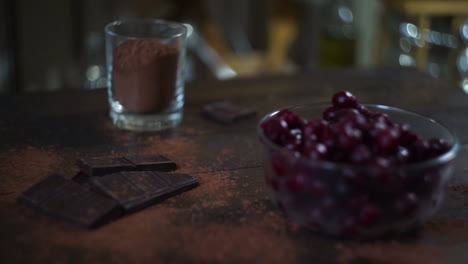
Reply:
x=370, y=146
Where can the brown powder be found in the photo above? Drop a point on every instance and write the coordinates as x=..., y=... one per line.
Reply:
x=448, y=226
x=186, y=233
x=144, y=75
x=27, y=165
x=388, y=252
x=207, y=224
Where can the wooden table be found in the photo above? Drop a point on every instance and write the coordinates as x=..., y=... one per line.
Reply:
x=228, y=218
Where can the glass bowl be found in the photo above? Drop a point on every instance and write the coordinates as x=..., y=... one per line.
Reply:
x=356, y=200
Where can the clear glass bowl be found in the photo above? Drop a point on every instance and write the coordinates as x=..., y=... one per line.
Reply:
x=356, y=200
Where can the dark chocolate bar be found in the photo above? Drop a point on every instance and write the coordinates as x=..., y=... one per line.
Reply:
x=152, y=162
x=227, y=112
x=106, y=165
x=178, y=180
x=83, y=179
x=68, y=200
x=135, y=190
x=102, y=165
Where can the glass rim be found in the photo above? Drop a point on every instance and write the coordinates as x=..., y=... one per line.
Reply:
x=446, y=157
x=183, y=28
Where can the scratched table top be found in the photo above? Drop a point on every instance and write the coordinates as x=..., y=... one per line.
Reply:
x=228, y=218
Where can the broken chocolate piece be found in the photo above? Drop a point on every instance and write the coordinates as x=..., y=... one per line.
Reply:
x=82, y=179
x=178, y=180
x=101, y=165
x=68, y=200
x=152, y=162
x=135, y=190
x=227, y=112
x=39, y=192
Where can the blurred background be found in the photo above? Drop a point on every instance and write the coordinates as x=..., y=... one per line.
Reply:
x=59, y=44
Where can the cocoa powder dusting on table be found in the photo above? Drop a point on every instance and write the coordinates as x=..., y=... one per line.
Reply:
x=388, y=252
x=448, y=226
x=22, y=167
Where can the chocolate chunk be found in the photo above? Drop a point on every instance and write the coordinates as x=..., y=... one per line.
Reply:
x=42, y=190
x=135, y=190
x=227, y=112
x=68, y=200
x=82, y=179
x=178, y=180
x=152, y=162
x=101, y=165
x=106, y=165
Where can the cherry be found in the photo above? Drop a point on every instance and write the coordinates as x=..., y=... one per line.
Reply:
x=378, y=170
x=363, y=110
x=386, y=140
x=275, y=129
x=291, y=118
x=318, y=188
x=438, y=146
x=327, y=205
x=348, y=137
x=330, y=114
x=279, y=163
x=380, y=118
x=296, y=183
x=354, y=118
x=420, y=150
x=407, y=138
x=343, y=99
x=316, y=151
x=369, y=216
x=406, y=204
x=403, y=155
x=313, y=129
x=315, y=218
x=360, y=154
x=348, y=225
x=358, y=202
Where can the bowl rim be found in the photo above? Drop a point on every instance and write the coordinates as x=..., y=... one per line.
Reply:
x=446, y=157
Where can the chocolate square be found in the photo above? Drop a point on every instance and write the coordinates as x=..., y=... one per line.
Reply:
x=42, y=190
x=69, y=201
x=152, y=162
x=226, y=112
x=118, y=187
x=178, y=180
x=135, y=190
x=99, y=166
x=82, y=179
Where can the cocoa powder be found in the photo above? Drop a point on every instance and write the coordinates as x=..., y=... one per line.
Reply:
x=144, y=75
x=388, y=252
x=23, y=166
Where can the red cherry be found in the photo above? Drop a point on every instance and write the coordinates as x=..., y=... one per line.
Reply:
x=369, y=216
x=343, y=99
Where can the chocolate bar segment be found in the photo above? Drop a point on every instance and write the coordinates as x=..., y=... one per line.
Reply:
x=42, y=190
x=135, y=190
x=82, y=179
x=227, y=112
x=152, y=163
x=69, y=201
x=178, y=180
x=99, y=166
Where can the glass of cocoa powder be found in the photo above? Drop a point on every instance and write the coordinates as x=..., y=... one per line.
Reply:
x=145, y=61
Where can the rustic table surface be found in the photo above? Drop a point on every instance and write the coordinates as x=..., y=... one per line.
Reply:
x=228, y=218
